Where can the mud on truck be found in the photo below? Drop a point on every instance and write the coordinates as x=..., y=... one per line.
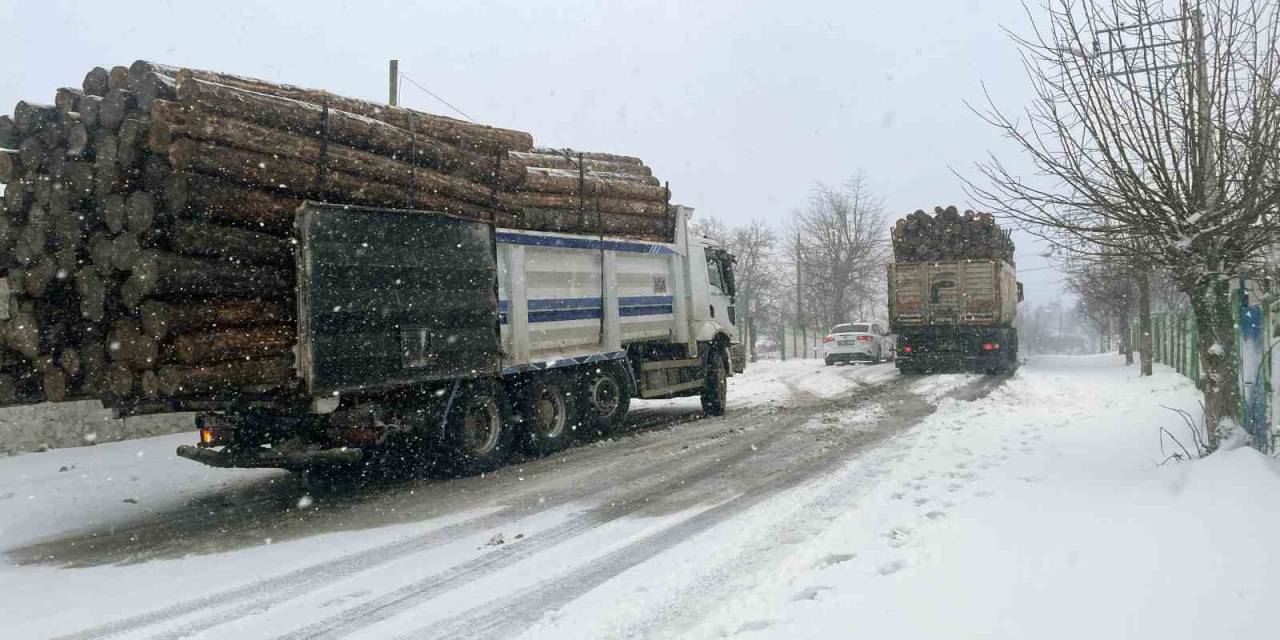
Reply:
x=953, y=293
x=433, y=340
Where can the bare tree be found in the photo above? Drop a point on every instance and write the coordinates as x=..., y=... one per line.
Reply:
x=1155, y=133
x=842, y=252
x=757, y=274
x=1107, y=290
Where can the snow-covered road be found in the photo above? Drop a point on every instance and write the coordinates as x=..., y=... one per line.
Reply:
x=829, y=502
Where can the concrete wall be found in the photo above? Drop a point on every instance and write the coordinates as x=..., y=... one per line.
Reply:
x=74, y=424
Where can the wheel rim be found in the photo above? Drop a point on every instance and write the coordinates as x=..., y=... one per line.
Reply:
x=605, y=396
x=481, y=426
x=549, y=411
x=721, y=380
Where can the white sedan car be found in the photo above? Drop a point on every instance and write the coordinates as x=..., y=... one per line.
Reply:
x=857, y=341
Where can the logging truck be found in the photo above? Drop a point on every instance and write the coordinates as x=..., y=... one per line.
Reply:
x=953, y=293
x=440, y=340
x=952, y=315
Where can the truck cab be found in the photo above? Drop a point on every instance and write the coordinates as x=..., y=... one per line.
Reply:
x=714, y=316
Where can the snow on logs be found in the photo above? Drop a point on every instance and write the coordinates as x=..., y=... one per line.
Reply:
x=146, y=228
x=950, y=235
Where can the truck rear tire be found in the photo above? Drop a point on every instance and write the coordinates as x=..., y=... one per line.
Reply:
x=549, y=408
x=606, y=399
x=716, y=386
x=478, y=429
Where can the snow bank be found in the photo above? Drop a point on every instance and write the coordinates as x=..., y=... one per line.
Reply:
x=72, y=424
x=1039, y=512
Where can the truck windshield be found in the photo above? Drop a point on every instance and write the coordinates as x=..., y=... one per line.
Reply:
x=849, y=328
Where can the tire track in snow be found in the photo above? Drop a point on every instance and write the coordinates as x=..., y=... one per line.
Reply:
x=351, y=619
x=257, y=596
x=515, y=612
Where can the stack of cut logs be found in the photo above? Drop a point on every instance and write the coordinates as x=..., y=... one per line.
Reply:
x=949, y=235
x=147, y=235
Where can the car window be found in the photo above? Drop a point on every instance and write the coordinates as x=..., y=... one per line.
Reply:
x=849, y=328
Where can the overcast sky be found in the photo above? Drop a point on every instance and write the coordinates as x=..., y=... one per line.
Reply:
x=740, y=105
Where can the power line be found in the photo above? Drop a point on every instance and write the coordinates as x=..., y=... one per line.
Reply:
x=433, y=95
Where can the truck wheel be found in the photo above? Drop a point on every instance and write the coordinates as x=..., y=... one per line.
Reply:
x=549, y=408
x=607, y=398
x=830, y=361
x=715, y=387
x=478, y=429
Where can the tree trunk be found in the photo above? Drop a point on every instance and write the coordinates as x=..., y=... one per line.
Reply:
x=358, y=132
x=179, y=380
x=117, y=78
x=1216, y=343
x=160, y=319
x=592, y=185
x=549, y=161
x=303, y=179
x=236, y=245
x=201, y=197
x=464, y=134
x=1144, y=322
x=1126, y=348
x=96, y=81
x=10, y=164
x=8, y=132
x=172, y=121
x=221, y=345
x=651, y=208
x=160, y=274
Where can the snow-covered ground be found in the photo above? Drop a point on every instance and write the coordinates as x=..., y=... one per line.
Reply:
x=830, y=502
x=1039, y=512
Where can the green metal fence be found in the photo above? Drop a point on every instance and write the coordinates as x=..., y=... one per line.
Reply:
x=1173, y=340
x=801, y=342
x=1173, y=343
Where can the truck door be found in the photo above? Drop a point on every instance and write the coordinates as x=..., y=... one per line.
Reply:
x=390, y=298
x=722, y=290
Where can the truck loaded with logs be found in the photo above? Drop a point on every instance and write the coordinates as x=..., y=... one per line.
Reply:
x=326, y=280
x=953, y=293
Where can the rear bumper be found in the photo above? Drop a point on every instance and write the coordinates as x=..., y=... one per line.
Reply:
x=849, y=350
x=955, y=348
x=851, y=356
x=260, y=458
x=951, y=359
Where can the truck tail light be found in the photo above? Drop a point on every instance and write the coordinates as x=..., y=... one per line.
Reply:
x=906, y=348
x=864, y=338
x=990, y=346
x=214, y=437
x=829, y=339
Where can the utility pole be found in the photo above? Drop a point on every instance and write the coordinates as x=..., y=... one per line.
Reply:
x=394, y=98
x=799, y=298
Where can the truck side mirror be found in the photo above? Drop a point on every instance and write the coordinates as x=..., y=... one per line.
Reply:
x=1020, y=292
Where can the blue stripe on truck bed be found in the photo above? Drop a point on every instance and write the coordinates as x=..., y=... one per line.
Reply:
x=559, y=309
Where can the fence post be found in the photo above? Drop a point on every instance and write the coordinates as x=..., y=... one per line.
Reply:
x=1193, y=338
x=1155, y=338
x=1182, y=348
